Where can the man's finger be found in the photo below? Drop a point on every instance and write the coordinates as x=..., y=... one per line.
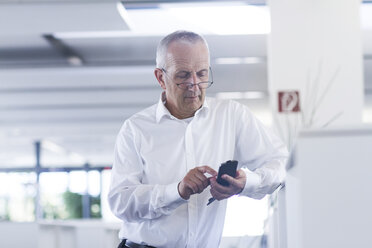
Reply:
x=231, y=180
x=201, y=177
x=220, y=188
x=197, y=185
x=240, y=173
x=207, y=169
x=218, y=195
x=201, y=180
x=192, y=186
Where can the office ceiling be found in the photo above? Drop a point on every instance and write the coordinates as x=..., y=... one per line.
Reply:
x=73, y=90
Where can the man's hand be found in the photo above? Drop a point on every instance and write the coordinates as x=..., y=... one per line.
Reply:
x=195, y=181
x=220, y=192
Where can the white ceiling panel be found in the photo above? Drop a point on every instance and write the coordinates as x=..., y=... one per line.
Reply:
x=61, y=98
x=59, y=130
x=59, y=78
x=51, y=17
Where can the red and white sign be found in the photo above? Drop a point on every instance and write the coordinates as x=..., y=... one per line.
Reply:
x=289, y=101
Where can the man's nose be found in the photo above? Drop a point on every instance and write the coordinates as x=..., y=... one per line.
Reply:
x=194, y=81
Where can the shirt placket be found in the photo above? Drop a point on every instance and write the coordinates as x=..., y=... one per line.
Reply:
x=192, y=204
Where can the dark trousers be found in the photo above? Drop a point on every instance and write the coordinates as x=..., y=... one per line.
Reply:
x=132, y=245
x=122, y=244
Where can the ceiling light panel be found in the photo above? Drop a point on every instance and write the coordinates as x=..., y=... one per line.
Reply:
x=41, y=18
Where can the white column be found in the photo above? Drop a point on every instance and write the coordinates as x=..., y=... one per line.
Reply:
x=315, y=48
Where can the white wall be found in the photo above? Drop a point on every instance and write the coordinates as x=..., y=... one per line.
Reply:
x=18, y=235
x=329, y=188
x=59, y=234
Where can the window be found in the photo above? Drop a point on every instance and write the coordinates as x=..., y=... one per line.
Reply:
x=17, y=196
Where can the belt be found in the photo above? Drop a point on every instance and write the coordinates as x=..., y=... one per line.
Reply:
x=131, y=244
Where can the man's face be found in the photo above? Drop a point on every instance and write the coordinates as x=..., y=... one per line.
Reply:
x=185, y=62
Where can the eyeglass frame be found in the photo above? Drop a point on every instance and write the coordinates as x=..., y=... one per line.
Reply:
x=190, y=85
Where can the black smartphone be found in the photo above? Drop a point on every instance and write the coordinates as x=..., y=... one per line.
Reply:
x=229, y=168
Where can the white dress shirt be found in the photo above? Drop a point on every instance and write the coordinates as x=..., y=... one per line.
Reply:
x=154, y=151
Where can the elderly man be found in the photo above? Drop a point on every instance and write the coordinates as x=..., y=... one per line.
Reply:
x=167, y=155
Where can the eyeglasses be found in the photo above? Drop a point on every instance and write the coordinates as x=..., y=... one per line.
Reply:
x=183, y=76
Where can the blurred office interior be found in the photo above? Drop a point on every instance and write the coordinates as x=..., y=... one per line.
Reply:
x=72, y=71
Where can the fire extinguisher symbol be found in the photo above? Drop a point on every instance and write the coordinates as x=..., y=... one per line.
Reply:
x=289, y=101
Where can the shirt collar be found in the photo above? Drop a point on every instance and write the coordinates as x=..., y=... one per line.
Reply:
x=162, y=111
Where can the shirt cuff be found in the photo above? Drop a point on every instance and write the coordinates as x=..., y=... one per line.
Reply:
x=172, y=198
x=253, y=181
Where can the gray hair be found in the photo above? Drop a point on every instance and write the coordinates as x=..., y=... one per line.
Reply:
x=175, y=36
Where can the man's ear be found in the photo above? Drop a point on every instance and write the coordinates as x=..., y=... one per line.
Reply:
x=159, y=74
